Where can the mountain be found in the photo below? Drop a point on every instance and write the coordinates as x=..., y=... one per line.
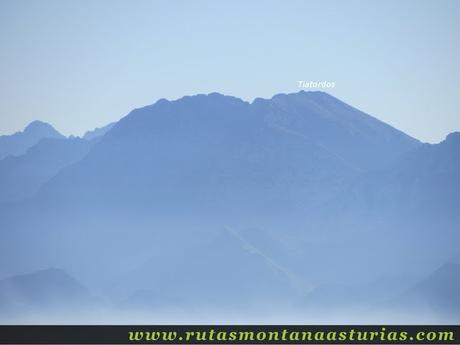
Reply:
x=18, y=143
x=349, y=134
x=218, y=271
x=219, y=150
x=98, y=132
x=329, y=187
x=424, y=181
x=40, y=292
x=436, y=294
x=427, y=176
x=22, y=176
x=408, y=208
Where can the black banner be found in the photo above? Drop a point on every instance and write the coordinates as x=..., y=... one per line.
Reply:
x=228, y=334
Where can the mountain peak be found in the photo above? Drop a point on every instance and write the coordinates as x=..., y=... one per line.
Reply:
x=18, y=143
x=211, y=97
x=40, y=126
x=453, y=137
x=199, y=98
x=98, y=132
x=291, y=95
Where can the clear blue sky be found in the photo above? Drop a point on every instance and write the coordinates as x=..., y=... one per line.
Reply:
x=81, y=64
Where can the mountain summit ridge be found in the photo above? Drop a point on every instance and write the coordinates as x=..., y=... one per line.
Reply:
x=18, y=143
x=228, y=139
x=329, y=189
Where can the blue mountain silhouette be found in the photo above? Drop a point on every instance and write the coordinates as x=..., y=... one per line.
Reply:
x=22, y=176
x=436, y=294
x=331, y=195
x=18, y=143
x=98, y=132
x=39, y=293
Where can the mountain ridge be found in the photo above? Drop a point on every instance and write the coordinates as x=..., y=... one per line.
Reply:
x=19, y=142
x=331, y=189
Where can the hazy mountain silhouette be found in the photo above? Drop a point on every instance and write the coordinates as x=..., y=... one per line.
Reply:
x=18, y=143
x=223, y=267
x=418, y=192
x=41, y=291
x=215, y=150
x=401, y=219
x=426, y=177
x=21, y=176
x=351, y=135
x=98, y=132
x=331, y=191
x=436, y=294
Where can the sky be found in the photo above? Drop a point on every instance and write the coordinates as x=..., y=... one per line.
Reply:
x=82, y=64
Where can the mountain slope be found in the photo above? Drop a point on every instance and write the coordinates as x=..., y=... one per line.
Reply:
x=409, y=208
x=18, y=143
x=22, y=176
x=219, y=148
x=176, y=171
x=424, y=181
x=436, y=294
x=40, y=292
x=348, y=133
x=98, y=132
x=224, y=269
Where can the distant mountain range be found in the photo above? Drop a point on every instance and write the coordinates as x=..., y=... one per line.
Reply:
x=39, y=293
x=30, y=158
x=18, y=143
x=22, y=176
x=436, y=294
x=98, y=132
x=218, y=150
x=213, y=201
